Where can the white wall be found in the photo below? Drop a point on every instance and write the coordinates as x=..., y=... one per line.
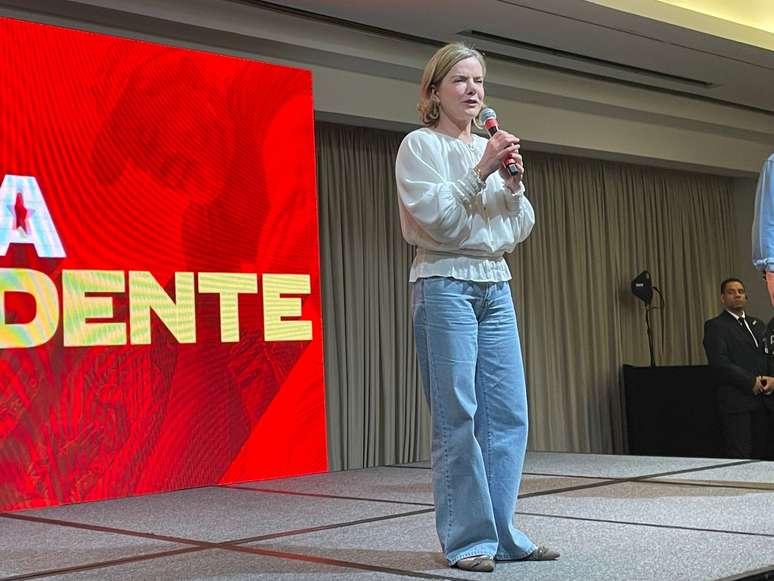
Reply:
x=369, y=79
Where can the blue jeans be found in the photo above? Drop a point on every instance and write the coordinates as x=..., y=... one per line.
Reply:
x=473, y=377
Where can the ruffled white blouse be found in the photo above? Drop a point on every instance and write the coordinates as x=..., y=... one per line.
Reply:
x=460, y=229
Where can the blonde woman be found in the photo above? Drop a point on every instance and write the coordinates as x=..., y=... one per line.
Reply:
x=463, y=212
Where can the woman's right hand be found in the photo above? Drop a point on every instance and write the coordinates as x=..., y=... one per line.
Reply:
x=501, y=146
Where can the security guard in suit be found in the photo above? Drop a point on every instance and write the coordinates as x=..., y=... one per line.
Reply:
x=736, y=347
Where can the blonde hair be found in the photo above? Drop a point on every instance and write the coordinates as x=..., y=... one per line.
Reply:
x=436, y=69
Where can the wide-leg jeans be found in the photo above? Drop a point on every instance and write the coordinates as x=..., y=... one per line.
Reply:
x=473, y=377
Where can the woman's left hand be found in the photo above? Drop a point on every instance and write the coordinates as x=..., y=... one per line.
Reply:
x=513, y=182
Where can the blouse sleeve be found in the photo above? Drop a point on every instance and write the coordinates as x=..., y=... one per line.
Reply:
x=438, y=206
x=520, y=212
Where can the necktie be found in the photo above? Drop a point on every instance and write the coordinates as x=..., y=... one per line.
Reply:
x=743, y=322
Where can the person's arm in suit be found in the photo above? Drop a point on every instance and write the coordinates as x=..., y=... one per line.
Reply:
x=718, y=355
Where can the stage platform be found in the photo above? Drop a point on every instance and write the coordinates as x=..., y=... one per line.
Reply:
x=612, y=518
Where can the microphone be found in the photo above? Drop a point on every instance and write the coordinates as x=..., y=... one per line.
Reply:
x=489, y=117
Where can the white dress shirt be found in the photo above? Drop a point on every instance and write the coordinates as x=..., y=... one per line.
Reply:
x=460, y=230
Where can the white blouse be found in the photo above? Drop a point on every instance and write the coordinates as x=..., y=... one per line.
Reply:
x=460, y=230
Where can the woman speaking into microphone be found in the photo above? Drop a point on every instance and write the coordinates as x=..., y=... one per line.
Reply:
x=463, y=210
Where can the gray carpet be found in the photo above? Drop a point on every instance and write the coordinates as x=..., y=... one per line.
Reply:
x=701, y=507
x=612, y=517
x=219, y=564
x=590, y=550
x=395, y=484
x=758, y=473
x=610, y=466
x=26, y=547
x=219, y=513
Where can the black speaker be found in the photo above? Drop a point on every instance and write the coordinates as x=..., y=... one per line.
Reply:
x=642, y=287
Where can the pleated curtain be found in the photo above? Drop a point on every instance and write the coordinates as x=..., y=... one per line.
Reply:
x=598, y=224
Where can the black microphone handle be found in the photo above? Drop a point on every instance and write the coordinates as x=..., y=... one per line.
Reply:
x=512, y=168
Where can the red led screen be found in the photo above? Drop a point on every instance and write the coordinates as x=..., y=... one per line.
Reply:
x=160, y=321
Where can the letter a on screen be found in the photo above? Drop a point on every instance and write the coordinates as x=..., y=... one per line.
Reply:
x=25, y=219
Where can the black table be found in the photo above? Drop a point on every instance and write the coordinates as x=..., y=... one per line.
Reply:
x=671, y=411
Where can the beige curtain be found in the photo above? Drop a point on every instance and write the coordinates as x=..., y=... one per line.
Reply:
x=598, y=225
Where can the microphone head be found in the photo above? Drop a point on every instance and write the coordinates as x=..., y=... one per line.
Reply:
x=487, y=114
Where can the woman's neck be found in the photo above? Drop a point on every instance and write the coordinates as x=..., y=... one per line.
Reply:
x=458, y=130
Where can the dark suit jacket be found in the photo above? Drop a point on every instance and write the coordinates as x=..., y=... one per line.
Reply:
x=732, y=353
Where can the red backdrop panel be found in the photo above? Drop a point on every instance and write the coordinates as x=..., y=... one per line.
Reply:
x=164, y=160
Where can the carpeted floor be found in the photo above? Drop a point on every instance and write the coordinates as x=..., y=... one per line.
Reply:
x=612, y=517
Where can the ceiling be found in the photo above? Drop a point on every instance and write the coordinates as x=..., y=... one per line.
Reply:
x=741, y=20
x=730, y=64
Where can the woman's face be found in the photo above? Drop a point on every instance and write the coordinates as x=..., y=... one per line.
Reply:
x=461, y=91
